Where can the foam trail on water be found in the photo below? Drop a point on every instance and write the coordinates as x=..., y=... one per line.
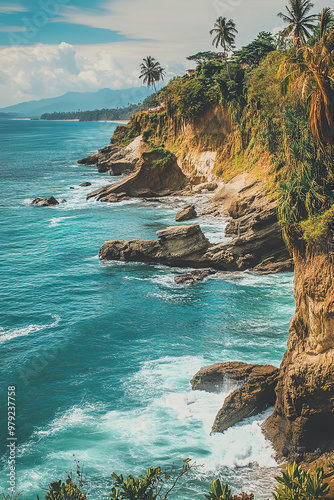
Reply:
x=9, y=334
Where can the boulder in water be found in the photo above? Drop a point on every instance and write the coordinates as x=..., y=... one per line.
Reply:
x=186, y=213
x=45, y=202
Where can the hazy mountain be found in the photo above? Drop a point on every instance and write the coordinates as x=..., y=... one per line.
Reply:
x=84, y=101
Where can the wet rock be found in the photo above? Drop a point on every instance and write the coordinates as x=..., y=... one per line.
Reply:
x=115, y=198
x=186, y=213
x=89, y=160
x=194, y=276
x=63, y=201
x=177, y=245
x=85, y=184
x=252, y=398
x=45, y=202
x=255, y=394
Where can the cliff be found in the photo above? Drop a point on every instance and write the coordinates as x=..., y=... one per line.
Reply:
x=258, y=145
x=301, y=425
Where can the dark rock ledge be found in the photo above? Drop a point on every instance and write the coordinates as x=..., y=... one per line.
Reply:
x=186, y=246
x=256, y=393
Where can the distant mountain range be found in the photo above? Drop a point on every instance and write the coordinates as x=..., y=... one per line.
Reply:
x=75, y=101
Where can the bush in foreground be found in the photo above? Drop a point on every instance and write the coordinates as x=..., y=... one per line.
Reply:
x=293, y=484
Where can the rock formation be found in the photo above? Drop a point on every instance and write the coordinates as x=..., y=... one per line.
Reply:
x=255, y=395
x=303, y=419
x=117, y=160
x=177, y=246
x=45, y=202
x=186, y=213
x=156, y=175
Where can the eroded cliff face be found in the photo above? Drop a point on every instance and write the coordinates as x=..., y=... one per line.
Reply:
x=302, y=424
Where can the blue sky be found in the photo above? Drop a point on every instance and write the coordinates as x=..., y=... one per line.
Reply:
x=49, y=47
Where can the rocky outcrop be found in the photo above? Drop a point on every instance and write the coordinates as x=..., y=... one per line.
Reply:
x=252, y=398
x=118, y=161
x=186, y=213
x=194, y=276
x=177, y=246
x=301, y=426
x=85, y=184
x=257, y=242
x=157, y=175
x=255, y=395
x=45, y=202
x=256, y=238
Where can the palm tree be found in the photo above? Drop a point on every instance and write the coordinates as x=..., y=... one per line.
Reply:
x=151, y=72
x=312, y=69
x=225, y=32
x=299, y=23
x=326, y=21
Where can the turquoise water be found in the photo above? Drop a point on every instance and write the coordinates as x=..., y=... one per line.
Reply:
x=102, y=354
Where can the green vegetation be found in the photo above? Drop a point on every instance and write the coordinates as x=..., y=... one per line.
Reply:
x=255, y=51
x=224, y=31
x=297, y=484
x=201, y=57
x=293, y=484
x=187, y=98
x=300, y=25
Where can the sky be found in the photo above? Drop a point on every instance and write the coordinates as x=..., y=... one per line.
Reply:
x=50, y=47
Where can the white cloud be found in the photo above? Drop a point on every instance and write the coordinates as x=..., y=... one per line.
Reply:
x=8, y=9
x=41, y=71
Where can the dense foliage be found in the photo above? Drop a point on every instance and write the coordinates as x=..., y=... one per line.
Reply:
x=189, y=97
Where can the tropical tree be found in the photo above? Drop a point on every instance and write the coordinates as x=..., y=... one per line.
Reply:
x=300, y=24
x=151, y=72
x=326, y=21
x=312, y=69
x=201, y=57
x=258, y=49
x=224, y=31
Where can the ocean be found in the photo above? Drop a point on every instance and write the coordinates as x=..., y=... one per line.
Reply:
x=101, y=354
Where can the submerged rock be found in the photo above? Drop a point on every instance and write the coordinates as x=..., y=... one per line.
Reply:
x=186, y=213
x=255, y=395
x=45, y=202
x=193, y=276
x=156, y=176
x=85, y=184
x=115, y=198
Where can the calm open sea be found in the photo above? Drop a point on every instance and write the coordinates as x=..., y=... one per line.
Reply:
x=102, y=354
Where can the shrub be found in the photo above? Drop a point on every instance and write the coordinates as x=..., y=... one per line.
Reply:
x=297, y=484
x=59, y=490
x=147, y=487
